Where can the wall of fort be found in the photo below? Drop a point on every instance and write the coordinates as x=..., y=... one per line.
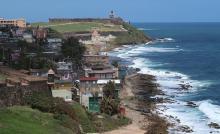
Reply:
x=16, y=95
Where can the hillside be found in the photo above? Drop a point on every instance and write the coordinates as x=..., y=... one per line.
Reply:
x=79, y=26
x=133, y=36
x=24, y=120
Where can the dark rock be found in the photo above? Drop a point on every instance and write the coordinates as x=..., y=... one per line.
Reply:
x=214, y=125
x=185, y=86
x=191, y=104
x=186, y=129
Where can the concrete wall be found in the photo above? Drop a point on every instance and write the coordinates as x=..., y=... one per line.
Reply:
x=10, y=96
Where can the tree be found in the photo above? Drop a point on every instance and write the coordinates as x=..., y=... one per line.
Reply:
x=74, y=49
x=110, y=102
x=109, y=90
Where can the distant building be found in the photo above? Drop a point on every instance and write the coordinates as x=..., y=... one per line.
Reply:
x=111, y=15
x=38, y=72
x=65, y=94
x=54, y=40
x=95, y=59
x=40, y=33
x=14, y=22
x=64, y=70
x=19, y=32
x=101, y=72
x=28, y=37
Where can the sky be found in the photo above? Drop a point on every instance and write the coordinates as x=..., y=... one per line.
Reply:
x=129, y=10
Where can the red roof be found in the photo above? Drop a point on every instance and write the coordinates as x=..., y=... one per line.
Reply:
x=88, y=79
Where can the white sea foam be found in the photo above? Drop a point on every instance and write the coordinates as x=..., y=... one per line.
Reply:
x=196, y=118
x=210, y=110
x=188, y=116
x=165, y=40
x=146, y=29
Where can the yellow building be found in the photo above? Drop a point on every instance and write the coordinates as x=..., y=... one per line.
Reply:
x=15, y=22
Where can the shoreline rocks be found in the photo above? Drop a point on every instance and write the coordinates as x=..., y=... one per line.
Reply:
x=144, y=88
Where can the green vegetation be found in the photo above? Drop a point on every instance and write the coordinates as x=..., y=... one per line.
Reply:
x=2, y=77
x=110, y=102
x=98, y=123
x=24, y=120
x=79, y=26
x=54, y=34
x=133, y=36
x=83, y=118
x=73, y=49
x=75, y=113
x=108, y=123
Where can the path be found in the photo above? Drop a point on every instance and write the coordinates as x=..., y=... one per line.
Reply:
x=137, y=118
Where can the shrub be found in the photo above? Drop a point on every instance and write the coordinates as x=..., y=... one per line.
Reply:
x=109, y=106
x=52, y=105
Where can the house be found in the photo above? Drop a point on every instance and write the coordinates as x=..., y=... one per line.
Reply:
x=65, y=94
x=54, y=40
x=63, y=85
x=4, y=37
x=54, y=44
x=60, y=88
x=102, y=72
x=90, y=95
x=19, y=32
x=88, y=84
x=13, y=22
x=91, y=102
x=96, y=59
x=28, y=37
x=38, y=72
x=64, y=70
x=40, y=33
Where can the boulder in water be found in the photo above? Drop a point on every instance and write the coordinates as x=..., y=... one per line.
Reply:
x=214, y=125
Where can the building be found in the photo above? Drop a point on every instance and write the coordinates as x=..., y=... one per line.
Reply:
x=40, y=33
x=102, y=72
x=65, y=94
x=64, y=70
x=88, y=84
x=54, y=40
x=63, y=85
x=90, y=95
x=28, y=37
x=38, y=72
x=96, y=59
x=13, y=22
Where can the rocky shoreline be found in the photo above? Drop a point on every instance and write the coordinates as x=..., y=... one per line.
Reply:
x=138, y=95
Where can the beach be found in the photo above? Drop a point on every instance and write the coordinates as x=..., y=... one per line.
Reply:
x=136, y=96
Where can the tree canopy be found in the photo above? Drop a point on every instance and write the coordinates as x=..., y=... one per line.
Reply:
x=73, y=49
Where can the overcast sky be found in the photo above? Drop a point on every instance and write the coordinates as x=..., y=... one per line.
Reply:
x=133, y=10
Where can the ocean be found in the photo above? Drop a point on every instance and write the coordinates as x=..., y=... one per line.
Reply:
x=183, y=54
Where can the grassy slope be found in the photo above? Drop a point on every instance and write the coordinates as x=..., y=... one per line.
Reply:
x=78, y=26
x=24, y=120
x=91, y=123
x=133, y=36
x=83, y=118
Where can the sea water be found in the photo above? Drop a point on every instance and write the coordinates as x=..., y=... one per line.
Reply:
x=182, y=54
